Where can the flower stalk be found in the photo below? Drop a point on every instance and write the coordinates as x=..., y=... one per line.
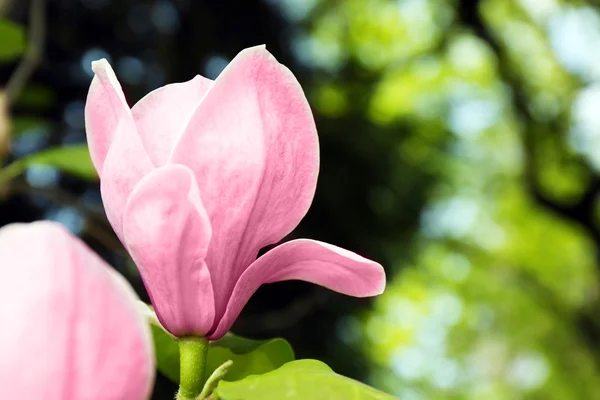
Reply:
x=192, y=361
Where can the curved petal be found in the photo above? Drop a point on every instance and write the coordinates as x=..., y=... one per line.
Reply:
x=67, y=320
x=253, y=147
x=167, y=233
x=125, y=165
x=162, y=114
x=307, y=260
x=104, y=107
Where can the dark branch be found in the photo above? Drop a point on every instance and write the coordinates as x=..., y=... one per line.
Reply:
x=581, y=211
x=33, y=55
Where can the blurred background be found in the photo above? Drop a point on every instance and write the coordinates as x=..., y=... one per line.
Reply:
x=460, y=145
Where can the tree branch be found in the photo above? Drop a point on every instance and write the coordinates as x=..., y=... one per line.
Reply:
x=581, y=211
x=96, y=225
x=5, y=6
x=33, y=55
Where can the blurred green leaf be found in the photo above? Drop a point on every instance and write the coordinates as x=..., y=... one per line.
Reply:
x=22, y=124
x=73, y=160
x=166, y=350
x=249, y=356
x=301, y=379
x=35, y=97
x=12, y=40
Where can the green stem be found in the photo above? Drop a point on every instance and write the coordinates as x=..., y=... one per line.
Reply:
x=192, y=361
x=214, y=379
x=11, y=171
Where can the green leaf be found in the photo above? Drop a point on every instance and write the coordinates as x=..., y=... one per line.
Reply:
x=36, y=97
x=301, y=379
x=21, y=124
x=12, y=40
x=166, y=348
x=249, y=356
x=73, y=160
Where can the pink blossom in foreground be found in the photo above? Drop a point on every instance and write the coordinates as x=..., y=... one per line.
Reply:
x=70, y=329
x=198, y=176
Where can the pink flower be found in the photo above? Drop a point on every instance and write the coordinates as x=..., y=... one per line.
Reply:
x=70, y=326
x=198, y=176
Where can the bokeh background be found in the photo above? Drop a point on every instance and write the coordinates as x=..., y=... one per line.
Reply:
x=460, y=145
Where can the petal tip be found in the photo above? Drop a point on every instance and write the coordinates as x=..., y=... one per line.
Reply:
x=99, y=65
x=259, y=51
x=376, y=279
x=258, y=47
x=382, y=281
x=103, y=70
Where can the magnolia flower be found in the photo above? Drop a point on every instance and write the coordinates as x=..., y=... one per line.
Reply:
x=198, y=176
x=70, y=325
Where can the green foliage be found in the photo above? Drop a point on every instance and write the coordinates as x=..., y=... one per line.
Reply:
x=12, y=40
x=21, y=124
x=36, y=97
x=301, y=379
x=74, y=160
x=166, y=350
x=249, y=356
x=497, y=297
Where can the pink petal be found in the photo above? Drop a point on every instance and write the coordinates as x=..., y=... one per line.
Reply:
x=162, y=115
x=70, y=326
x=307, y=260
x=125, y=165
x=104, y=108
x=253, y=147
x=167, y=233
